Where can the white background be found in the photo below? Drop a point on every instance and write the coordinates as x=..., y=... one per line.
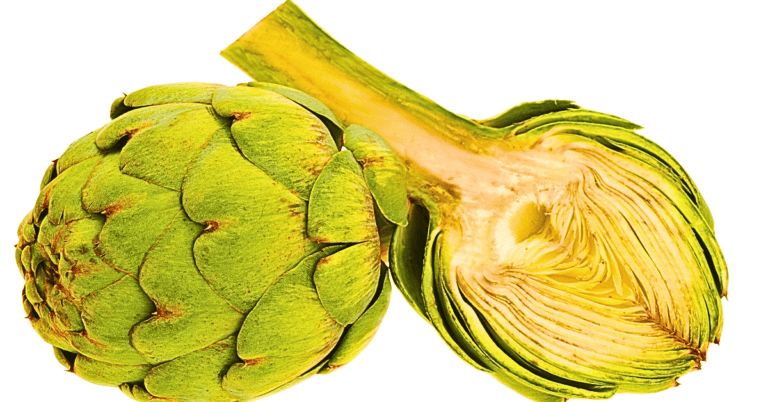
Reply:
x=692, y=73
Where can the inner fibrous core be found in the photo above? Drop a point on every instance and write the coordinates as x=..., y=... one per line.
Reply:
x=581, y=264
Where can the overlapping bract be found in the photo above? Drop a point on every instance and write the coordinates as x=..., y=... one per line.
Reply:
x=210, y=243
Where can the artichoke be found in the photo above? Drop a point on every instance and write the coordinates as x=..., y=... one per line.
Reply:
x=550, y=246
x=211, y=243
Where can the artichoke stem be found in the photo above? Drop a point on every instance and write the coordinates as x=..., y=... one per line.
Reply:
x=288, y=48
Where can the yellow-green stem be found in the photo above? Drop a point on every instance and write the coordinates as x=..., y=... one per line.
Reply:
x=288, y=48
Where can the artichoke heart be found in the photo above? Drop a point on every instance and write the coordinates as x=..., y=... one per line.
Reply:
x=210, y=243
x=550, y=246
x=586, y=265
x=576, y=260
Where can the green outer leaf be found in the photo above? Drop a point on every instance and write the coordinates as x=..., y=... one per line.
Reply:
x=25, y=258
x=61, y=197
x=118, y=108
x=160, y=154
x=46, y=234
x=340, y=206
x=383, y=170
x=112, y=375
x=183, y=92
x=48, y=175
x=138, y=120
x=18, y=252
x=136, y=392
x=527, y=110
x=31, y=293
x=79, y=151
x=314, y=105
x=406, y=257
x=361, y=332
x=347, y=280
x=280, y=137
x=195, y=376
x=297, y=380
x=61, y=356
x=26, y=230
x=576, y=115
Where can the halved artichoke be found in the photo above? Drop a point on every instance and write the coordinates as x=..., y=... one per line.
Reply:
x=211, y=243
x=550, y=246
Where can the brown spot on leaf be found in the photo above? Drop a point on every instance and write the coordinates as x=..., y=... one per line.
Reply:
x=168, y=311
x=315, y=170
x=130, y=132
x=255, y=362
x=332, y=367
x=241, y=115
x=64, y=290
x=211, y=226
x=371, y=161
x=114, y=208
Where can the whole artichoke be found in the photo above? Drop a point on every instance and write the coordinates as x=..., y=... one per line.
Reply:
x=211, y=243
x=550, y=246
